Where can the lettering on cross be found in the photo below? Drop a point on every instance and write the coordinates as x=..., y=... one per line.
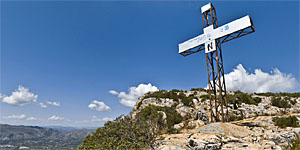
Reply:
x=210, y=46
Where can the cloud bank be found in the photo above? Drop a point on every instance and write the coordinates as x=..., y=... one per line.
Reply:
x=31, y=118
x=49, y=103
x=43, y=105
x=55, y=118
x=259, y=81
x=53, y=103
x=99, y=106
x=96, y=119
x=20, y=97
x=134, y=93
x=22, y=116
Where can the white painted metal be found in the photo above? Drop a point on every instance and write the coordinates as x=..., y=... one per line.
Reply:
x=205, y=7
x=210, y=46
x=212, y=34
x=231, y=27
x=192, y=43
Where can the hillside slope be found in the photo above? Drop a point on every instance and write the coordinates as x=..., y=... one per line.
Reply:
x=178, y=119
x=36, y=137
x=253, y=126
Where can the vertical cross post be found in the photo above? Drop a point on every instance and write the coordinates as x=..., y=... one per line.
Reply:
x=216, y=79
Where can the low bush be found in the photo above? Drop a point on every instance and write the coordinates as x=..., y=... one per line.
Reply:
x=122, y=133
x=174, y=94
x=293, y=102
x=279, y=94
x=204, y=97
x=295, y=144
x=235, y=116
x=172, y=116
x=283, y=122
x=244, y=98
x=186, y=100
x=199, y=89
x=279, y=102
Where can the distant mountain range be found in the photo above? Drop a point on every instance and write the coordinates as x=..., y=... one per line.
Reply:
x=35, y=137
x=66, y=129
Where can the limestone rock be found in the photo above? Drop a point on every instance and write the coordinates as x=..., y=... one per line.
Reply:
x=184, y=111
x=179, y=126
x=195, y=124
x=201, y=114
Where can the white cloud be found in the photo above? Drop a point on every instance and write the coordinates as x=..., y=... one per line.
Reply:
x=113, y=92
x=95, y=119
x=53, y=103
x=134, y=93
x=99, y=106
x=55, y=118
x=31, y=118
x=22, y=116
x=107, y=119
x=259, y=81
x=1, y=96
x=43, y=105
x=20, y=97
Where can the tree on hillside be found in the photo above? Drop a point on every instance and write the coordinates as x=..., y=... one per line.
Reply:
x=124, y=133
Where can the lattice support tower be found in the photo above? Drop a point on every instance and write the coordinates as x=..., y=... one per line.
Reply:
x=211, y=42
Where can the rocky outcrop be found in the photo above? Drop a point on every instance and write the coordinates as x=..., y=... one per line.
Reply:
x=246, y=134
x=201, y=114
x=256, y=130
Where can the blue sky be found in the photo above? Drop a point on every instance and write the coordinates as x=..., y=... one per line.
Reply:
x=73, y=53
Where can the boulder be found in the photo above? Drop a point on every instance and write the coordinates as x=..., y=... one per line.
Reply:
x=280, y=138
x=164, y=116
x=184, y=111
x=195, y=124
x=201, y=114
x=179, y=126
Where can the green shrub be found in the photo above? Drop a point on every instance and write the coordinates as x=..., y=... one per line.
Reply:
x=279, y=94
x=244, y=98
x=172, y=131
x=293, y=102
x=235, y=116
x=199, y=89
x=204, y=97
x=139, y=104
x=266, y=94
x=173, y=94
x=290, y=94
x=159, y=94
x=173, y=117
x=283, y=122
x=122, y=133
x=279, y=102
x=186, y=100
x=295, y=144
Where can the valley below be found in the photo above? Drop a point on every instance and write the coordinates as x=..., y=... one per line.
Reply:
x=14, y=137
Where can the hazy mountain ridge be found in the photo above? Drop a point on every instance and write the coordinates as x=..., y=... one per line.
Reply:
x=36, y=137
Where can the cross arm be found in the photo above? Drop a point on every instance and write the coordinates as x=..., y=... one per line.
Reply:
x=194, y=50
x=238, y=33
x=227, y=32
x=234, y=29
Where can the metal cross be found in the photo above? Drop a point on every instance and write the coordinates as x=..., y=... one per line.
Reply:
x=211, y=41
